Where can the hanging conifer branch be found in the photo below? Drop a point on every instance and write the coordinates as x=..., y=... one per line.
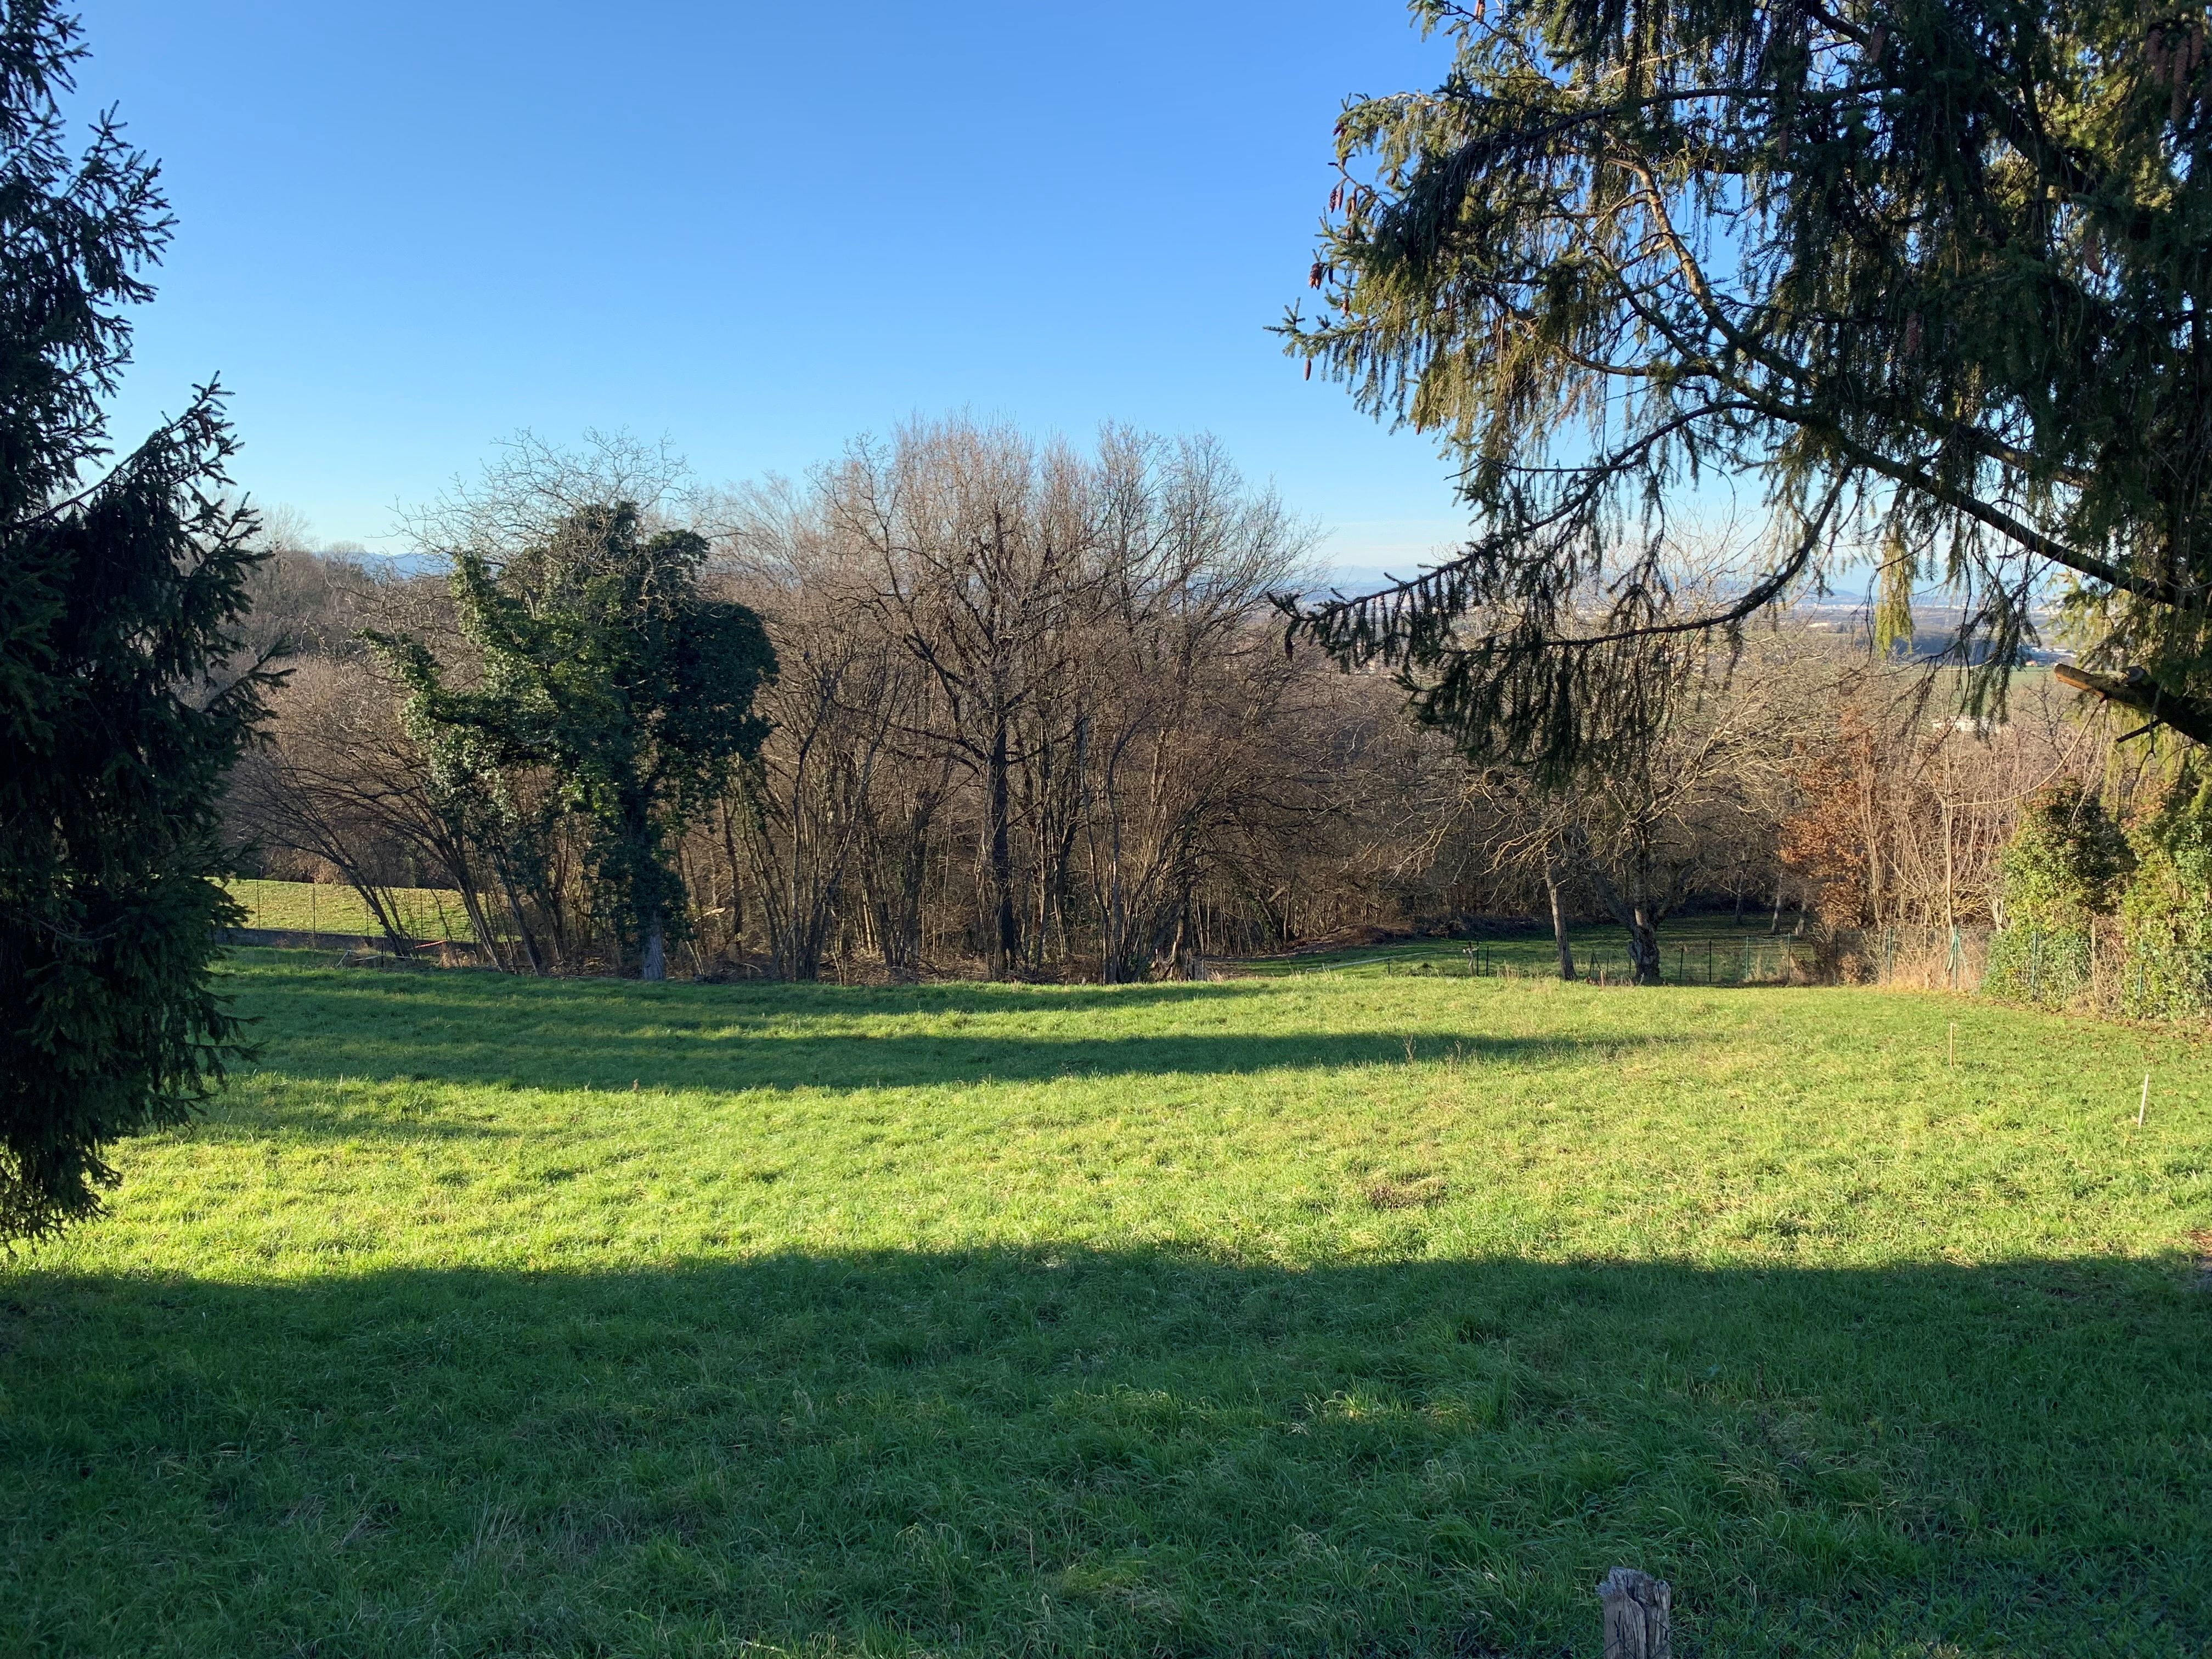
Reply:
x=1929, y=274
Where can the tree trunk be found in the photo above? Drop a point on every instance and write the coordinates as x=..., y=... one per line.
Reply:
x=1950, y=876
x=1005, y=940
x=1644, y=944
x=1870, y=832
x=655, y=964
x=1558, y=898
x=1635, y=912
x=737, y=882
x=515, y=910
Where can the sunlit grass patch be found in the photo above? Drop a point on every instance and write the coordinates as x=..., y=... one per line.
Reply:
x=303, y=907
x=1328, y=1313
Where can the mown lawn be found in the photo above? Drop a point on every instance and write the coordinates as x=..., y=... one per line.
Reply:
x=1359, y=1313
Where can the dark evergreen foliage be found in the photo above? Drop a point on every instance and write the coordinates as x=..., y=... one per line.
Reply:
x=1929, y=276
x=120, y=597
x=2166, y=907
x=601, y=662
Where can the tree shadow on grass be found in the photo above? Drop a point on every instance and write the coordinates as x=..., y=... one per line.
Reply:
x=755, y=999
x=331, y=1030
x=583, y=1057
x=1085, y=1452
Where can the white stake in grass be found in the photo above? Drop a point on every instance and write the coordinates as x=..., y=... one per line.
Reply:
x=2143, y=1105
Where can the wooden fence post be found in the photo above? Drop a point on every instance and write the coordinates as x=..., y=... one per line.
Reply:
x=1637, y=1608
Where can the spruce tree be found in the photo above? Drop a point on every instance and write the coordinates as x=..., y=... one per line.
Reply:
x=1922, y=279
x=121, y=590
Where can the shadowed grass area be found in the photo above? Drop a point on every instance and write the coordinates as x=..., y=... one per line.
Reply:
x=1358, y=1315
x=1088, y=1452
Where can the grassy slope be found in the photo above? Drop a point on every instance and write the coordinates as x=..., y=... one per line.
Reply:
x=1356, y=1313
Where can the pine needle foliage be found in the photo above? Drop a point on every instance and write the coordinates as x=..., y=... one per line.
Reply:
x=121, y=595
x=1923, y=275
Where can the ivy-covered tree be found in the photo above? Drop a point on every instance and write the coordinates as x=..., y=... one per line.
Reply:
x=601, y=661
x=1924, y=278
x=2065, y=866
x=121, y=595
x=2166, y=907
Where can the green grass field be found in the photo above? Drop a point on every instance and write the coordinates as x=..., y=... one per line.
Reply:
x=1369, y=1313
x=305, y=907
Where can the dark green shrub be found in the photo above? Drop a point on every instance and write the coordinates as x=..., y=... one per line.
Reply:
x=2065, y=867
x=2167, y=909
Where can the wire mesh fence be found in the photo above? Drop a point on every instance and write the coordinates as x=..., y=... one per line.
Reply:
x=1747, y=961
x=1954, y=958
x=2098, y=969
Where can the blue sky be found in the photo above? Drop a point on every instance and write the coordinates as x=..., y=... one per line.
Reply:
x=407, y=230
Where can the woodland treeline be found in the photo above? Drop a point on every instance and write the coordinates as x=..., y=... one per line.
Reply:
x=1032, y=714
